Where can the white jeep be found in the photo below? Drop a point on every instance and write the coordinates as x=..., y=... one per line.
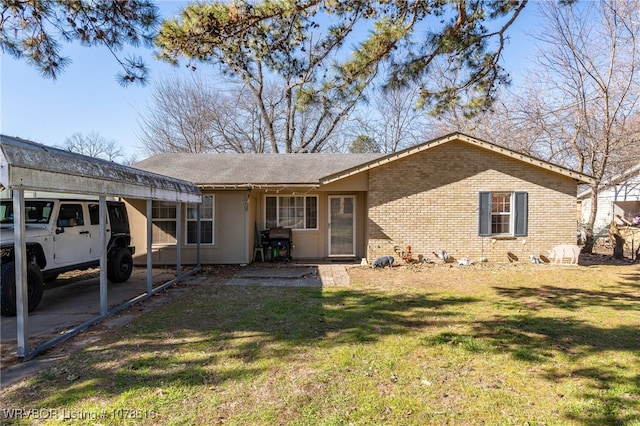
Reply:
x=62, y=235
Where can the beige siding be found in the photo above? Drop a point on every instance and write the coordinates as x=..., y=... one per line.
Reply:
x=233, y=238
x=233, y=241
x=313, y=243
x=358, y=182
x=136, y=210
x=308, y=242
x=430, y=202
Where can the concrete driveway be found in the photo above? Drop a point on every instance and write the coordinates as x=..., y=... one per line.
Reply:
x=73, y=299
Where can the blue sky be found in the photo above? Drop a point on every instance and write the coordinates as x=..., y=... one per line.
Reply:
x=87, y=98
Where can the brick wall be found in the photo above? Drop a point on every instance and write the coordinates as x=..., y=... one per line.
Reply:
x=429, y=201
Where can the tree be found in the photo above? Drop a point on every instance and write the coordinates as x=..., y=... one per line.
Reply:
x=630, y=156
x=31, y=29
x=518, y=120
x=284, y=38
x=364, y=144
x=392, y=119
x=194, y=114
x=180, y=117
x=279, y=55
x=93, y=145
x=592, y=52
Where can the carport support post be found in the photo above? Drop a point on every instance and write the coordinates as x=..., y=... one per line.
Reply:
x=198, y=229
x=22, y=293
x=103, y=255
x=179, y=241
x=149, y=246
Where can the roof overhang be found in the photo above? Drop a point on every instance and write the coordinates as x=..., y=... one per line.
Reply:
x=31, y=166
x=264, y=187
x=619, y=179
x=578, y=177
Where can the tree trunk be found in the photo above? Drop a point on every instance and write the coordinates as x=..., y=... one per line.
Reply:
x=589, y=238
x=617, y=239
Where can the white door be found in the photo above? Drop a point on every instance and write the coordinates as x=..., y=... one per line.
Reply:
x=342, y=224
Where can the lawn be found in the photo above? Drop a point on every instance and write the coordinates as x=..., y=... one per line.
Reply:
x=501, y=345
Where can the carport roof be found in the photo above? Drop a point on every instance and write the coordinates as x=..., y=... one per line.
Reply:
x=32, y=166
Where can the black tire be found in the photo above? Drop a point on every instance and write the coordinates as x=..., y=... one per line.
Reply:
x=120, y=265
x=35, y=288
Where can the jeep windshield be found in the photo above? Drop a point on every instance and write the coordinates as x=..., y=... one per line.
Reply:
x=35, y=211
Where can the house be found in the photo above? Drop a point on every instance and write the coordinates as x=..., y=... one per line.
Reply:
x=456, y=193
x=618, y=201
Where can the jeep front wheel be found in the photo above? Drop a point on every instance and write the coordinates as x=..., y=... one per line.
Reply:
x=35, y=288
x=120, y=265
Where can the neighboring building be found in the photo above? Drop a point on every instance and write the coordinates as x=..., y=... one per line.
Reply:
x=620, y=198
x=455, y=193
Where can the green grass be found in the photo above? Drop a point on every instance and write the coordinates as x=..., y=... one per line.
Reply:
x=437, y=346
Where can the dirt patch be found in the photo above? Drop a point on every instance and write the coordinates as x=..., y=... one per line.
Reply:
x=604, y=259
x=474, y=278
x=604, y=256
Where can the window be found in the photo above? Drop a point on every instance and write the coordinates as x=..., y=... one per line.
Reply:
x=206, y=221
x=503, y=213
x=70, y=215
x=163, y=218
x=296, y=212
x=35, y=211
x=311, y=213
x=117, y=215
x=94, y=214
x=500, y=213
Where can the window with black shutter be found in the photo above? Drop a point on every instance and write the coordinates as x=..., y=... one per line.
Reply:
x=502, y=213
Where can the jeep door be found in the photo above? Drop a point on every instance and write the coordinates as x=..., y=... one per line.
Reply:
x=72, y=238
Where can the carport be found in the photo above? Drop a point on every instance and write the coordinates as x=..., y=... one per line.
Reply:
x=29, y=166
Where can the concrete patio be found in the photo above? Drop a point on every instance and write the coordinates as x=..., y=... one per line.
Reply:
x=297, y=275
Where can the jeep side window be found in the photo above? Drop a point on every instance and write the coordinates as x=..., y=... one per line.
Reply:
x=94, y=214
x=6, y=212
x=35, y=211
x=118, y=215
x=115, y=214
x=45, y=213
x=70, y=215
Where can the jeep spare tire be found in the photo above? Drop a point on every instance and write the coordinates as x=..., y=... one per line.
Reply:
x=120, y=265
x=35, y=288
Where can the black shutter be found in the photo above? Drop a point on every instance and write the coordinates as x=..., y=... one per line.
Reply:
x=520, y=222
x=484, y=214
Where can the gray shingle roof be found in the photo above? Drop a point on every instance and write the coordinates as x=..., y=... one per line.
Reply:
x=255, y=169
x=309, y=169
